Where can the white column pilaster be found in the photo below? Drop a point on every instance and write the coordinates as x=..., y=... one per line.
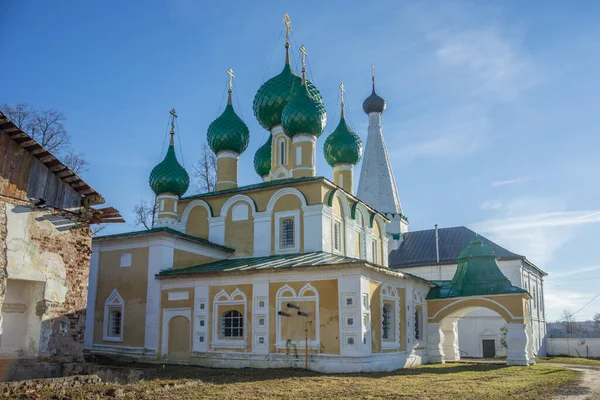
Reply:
x=435, y=339
x=313, y=227
x=216, y=230
x=262, y=234
x=450, y=345
x=516, y=340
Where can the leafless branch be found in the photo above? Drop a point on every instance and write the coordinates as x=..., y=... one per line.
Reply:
x=206, y=171
x=75, y=162
x=145, y=213
x=97, y=228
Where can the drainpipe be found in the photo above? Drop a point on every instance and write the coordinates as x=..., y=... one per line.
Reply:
x=437, y=244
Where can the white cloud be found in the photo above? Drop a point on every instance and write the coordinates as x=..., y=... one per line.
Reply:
x=509, y=181
x=491, y=205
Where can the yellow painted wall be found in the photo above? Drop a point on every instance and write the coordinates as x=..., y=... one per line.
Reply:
x=402, y=316
x=180, y=334
x=182, y=259
x=239, y=235
x=131, y=283
x=197, y=224
x=165, y=303
x=227, y=172
x=328, y=315
x=377, y=233
x=375, y=302
x=247, y=289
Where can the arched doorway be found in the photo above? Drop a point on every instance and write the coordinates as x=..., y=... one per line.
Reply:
x=477, y=284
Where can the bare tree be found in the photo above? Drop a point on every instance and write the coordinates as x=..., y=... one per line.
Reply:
x=48, y=129
x=97, y=228
x=568, y=322
x=145, y=213
x=206, y=171
x=597, y=322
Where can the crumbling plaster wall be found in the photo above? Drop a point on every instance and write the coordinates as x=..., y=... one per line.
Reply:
x=43, y=246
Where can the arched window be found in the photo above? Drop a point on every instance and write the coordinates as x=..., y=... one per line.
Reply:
x=387, y=323
x=114, y=318
x=232, y=324
x=281, y=152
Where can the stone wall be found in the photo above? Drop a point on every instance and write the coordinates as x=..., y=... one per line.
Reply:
x=50, y=249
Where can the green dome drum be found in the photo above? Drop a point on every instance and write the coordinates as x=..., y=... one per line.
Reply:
x=274, y=95
x=169, y=176
x=228, y=132
x=262, y=158
x=343, y=145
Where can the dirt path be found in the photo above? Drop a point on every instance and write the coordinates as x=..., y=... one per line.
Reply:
x=587, y=389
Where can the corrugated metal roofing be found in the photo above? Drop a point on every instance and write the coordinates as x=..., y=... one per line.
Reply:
x=167, y=230
x=318, y=258
x=418, y=248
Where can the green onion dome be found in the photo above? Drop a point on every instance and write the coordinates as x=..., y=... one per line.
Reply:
x=262, y=158
x=303, y=114
x=228, y=132
x=274, y=95
x=343, y=145
x=169, y=176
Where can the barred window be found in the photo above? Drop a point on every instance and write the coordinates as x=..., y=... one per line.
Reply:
x=336, y=236
x=286, y=233
x=417, y=325
x=115, y=323
x=386, y=322
x=232, y=324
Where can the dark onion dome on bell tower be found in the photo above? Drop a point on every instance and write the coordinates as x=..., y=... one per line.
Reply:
x=272, y=97
x=262, y=158
x=303, y=113
x=373, y=103
x=343, y=145
x=228, y=131
x=169, y=176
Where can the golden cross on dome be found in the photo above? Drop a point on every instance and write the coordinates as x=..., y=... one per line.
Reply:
x=288, y=27
x=373, y=72
x=173, y=116
x=342, y=91
x=304, y=54
x=231, y=76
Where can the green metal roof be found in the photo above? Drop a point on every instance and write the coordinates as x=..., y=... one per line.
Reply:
x=262, y=158
x=169, y=176
x=303, y=114
x=228, y=132
x=272, y=97
x=343, y=145
x=313, y=259
x=170, y=231
x=477, y=274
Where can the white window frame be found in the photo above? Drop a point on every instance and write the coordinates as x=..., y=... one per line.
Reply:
x=390, y=321
x=281, y=151
x=390, y=294
x=337, y=221
x=220, y=303
x=114, y=302
x=288, y=294
x=374, y=250
x=222, y=322
x=278, y=217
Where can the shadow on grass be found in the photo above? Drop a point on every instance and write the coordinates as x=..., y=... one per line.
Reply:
x=220, y=376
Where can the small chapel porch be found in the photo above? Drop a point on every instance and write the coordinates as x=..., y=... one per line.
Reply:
x=477, y=284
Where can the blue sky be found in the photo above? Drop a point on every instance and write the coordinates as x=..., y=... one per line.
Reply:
x=492, y=118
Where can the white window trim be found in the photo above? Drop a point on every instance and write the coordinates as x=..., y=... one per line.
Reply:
x=280, y=343
x=224, y=299
x=335, y=219
x=285, y=214
x=391, y=294
x=114, y=301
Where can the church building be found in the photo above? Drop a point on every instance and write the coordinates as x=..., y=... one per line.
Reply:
x=293, y=271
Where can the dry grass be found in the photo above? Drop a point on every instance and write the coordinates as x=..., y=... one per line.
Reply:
x=439, y=382
x=570, y=360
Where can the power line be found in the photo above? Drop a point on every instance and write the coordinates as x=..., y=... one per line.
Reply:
x=587, y=304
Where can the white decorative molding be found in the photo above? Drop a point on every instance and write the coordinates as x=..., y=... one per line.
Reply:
x=260, y=308
x=227, y=154
x=391, y=294
x=486, y=299
x=343, y=167
x=168, y=314
x=282, y=192
x=113, y=301
x=239, y=212
x=222, y=298
x=234, y=199
x=201, y=306
x=302, y=296
x=304, y=137
x=174, y=296
x=188, y=209
x=285, y=214
x=125, y=260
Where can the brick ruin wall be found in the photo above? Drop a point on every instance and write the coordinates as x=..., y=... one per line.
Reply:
x=44, y=246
